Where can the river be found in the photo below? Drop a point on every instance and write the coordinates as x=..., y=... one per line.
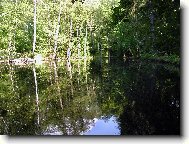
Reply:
x=90, y=97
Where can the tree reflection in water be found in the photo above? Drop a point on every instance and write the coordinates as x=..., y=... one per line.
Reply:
x=83, y=97
x=144, y=96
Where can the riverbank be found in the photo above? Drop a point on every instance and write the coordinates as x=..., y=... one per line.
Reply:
x=171, y=59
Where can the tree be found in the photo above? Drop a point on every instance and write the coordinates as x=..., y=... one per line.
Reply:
x=34, y=22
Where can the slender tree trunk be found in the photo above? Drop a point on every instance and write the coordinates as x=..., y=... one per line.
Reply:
x=34, y=23
x=86, y=75
x=79, y=72
x=69, y=66
x=85, y=45
x=100, y=48
x=57, y=83
x=54, y=30
x=9, y=48
x=51, y=73
x=136, y=32
x=136, y=52
x=11, y=76
x=101, y=52
x=151, y=16
x=70, y=42
x=78, y=45
x=49, y=36
x=57, y=31
x=10, y=67
x=79, y=68
x=91, y=32
x=15, y=28
x=36, y=93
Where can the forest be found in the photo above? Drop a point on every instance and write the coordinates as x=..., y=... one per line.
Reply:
x=101, y=60
x=59, y=29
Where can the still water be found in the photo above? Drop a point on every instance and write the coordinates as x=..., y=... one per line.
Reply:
x=90, y=97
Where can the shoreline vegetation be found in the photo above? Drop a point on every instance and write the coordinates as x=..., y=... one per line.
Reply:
x=175, y=60
x=70, y=29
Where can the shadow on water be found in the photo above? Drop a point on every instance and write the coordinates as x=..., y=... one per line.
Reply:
x=90, y=98
x=144, y=96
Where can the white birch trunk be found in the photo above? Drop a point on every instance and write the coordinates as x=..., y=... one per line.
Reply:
x=70, y=75
x=9, y=49
x=34, y=23
x=78, y=45
x=57, y=31
x=70, y=40
x=85, y=45
x=36, y=94
x=57, y=83
x=49, y=41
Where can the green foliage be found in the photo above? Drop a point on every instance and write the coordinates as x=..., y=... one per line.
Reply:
x=91, y=28
x=145, y=26
x=81, y=23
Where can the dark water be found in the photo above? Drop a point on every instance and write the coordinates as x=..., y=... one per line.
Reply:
x=90, y=98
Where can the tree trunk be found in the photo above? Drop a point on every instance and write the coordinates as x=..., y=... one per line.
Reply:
x=11, y=76
x=151, y=16
x=70, y=41
x=57, y=31
x=34, y=23
x=69, y=67
x=9, y=48
x=91, y=33
x=49, y=36
x=57, y=83
x=36, y=93
x=78, y=45
x=85, y=46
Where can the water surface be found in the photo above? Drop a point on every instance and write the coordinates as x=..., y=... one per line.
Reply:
x=94, y=97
